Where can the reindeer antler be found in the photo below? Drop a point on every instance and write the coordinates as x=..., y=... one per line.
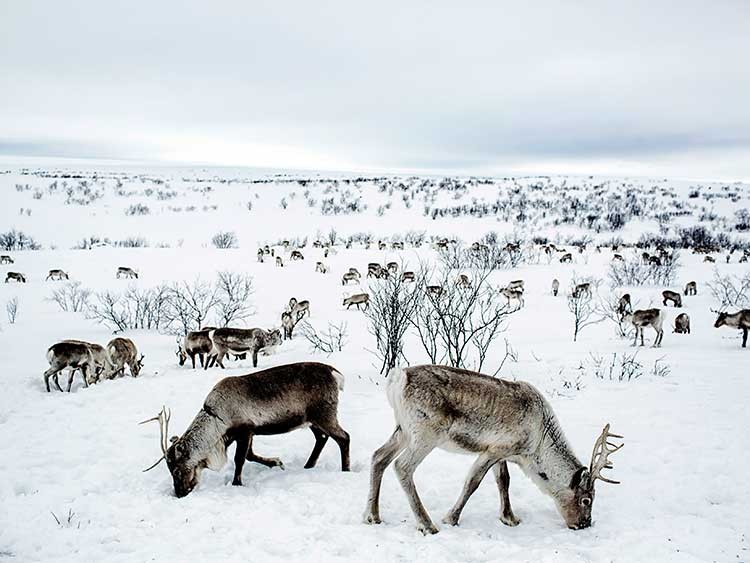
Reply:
x=163, y=419
x=600, y=456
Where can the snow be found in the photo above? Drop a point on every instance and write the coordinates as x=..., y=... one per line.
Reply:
x=77, y=457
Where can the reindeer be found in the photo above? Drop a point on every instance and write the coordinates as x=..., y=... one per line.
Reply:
x=682, y=324
x=357, y=299
x=287, y=324
x=374, y=270
x=408, y=276
x=392, y=267
x=643, y=318
x=239, y=341
x=279, y=262
x=299, y=308
x=195, y=343
x=582, y=289
x=382, y=245
x=513, y=295
x=355, y=271
x=5, y=259
x=122, y=351
x=296, y=255
x=567, y=257
x=463, y=281
x=320, y=267
x=270, y=402
x=555, y=287
x=739, y=320
x=397, y=245
x=434, y=290
x=691, y=288
x=125, y=272
x=499, y=421
x=654, y=261
x=91, y=359
x=672, y=297
x=624, y=305
x=710, y=259
x=617, y=258
x=350, y=276
x=16, y=277
x=57, y=274
x=261, y=255
x=516, y=285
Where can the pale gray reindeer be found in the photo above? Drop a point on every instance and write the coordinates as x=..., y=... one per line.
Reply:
x=671, y=297
x=195, y=343
x=240, y=341
x=555, y=287
x=357, y=299
x=123, y=352
x=739, y=320
x=499, y=421
x=299, y=308
x=269, y=402
x=57, y=274
x=350, y=276
x=287, y=324
x=646, y=317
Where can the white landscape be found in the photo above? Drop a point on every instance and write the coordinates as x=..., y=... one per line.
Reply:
x=73, y=487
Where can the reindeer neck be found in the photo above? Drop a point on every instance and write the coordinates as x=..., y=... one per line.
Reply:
x=554, y=463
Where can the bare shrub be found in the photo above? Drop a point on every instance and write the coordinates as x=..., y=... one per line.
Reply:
x=17, y=240
x=137, y=209
x=622, y=367
x=71, y=297
x=233, y=293
x=189, y=304
x=11, y=308
x=730, y=291
x=109, y=310
x=632, y=271
x=583, y=306
x=609, y=307
x=225, y=240
x=333, y=339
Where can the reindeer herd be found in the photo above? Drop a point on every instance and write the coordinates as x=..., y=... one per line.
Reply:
x=434, y=406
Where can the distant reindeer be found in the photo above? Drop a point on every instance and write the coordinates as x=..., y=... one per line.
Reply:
x=122, y=352
x=320, y=267
x=382, y=245
x=270, y=402
x=349, y=276
x=374, y=270
x=513, y=296
x=434, y=290
x=408, y=276
x=567, y=257
x=296, y=255
x=125, y=272
x=654, y=261
x=643, y=318
x=56, y=274
x=555, y=287
x=671, y=297
x=739, y=320
x=392, y=267
x=691, y=288
x=287, y=324
x=355, y=271
x=516, y=285
x=617, y=258
x=463, y=281
x=261, y=255
x=16, y=277
x=240, y=341
x=624, y=305
x=5, y=259
x=582, y=289
x=397, y=245
x=710, y=259
x=279, y=262
x=195, y=343
x=299, y=308
x=682, y=324
x=90, y=358
x=357, y=299
x=497, y=420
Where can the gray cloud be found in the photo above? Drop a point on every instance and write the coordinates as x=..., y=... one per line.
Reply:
x=423, y=85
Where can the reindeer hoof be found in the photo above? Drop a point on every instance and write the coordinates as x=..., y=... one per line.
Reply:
x=276, y=462
x=427, y=529
x=236, y=482
x=510, y=520
x=450, y=519
x=370, y=518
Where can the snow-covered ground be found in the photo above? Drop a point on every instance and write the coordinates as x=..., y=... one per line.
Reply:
x=72, y=488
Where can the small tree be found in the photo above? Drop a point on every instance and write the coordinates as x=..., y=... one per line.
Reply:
x=71, y=297
x=225, y=240
x=11, y=308
x=333, y=339
x=730, y=291
x=233, y=293
x=582, y=305
x=189, y=305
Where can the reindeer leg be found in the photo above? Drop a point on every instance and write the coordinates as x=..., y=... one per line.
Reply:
x=320, y=441
x=502, y=477
x=243, y=443
x=70, y=378
x=381, y=459
x=255, y=358
x=47, y=375
x=85, y=373
x=405, y=466
x=476, y=474
x=57, y=383
x=341, y=437
x=744, y=337
x=267, y=461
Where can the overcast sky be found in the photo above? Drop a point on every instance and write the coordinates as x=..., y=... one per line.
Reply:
x=640, y=87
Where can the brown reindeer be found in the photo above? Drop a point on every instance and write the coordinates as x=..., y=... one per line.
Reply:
x=91, y=359
x=287, y=324
x=710, y=259
x=5, y=259
x=299, y=308
x=392, y=267
x=122, y=352
x=125, y=272
x=57, y=274
x=279, y=262
x=408, y=276
x=643, y=318
x=463, y=281
x=16, y=277
x=296, y=255
x=691, y=288
x=357, y=299
x=739, y=320
x=567, y=257
x=240, y=341
x=320, y=267
x=617, y=258
x=624, y=305
x=261, y=255
x=682, y=324
x=195, y=343
x=671, y=297
x=582, y=289
x=374, y=270
x=498, y=421
x=349, y=276
x=270, y=402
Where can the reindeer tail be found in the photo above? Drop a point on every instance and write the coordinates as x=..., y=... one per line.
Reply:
x=339, y=377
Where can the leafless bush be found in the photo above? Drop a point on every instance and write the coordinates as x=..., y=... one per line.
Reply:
x=730, y=291
x=583, y=306
x=137, y=209
x=146, y=308
x=188, y=305
x=233, y=293
x=622, y=367
x=632, y=271
x=11, y=308
x=333, y=339
x=224, y=240
x=109, y=310
x=71, y=297
x=609, y=308
x=17, y=240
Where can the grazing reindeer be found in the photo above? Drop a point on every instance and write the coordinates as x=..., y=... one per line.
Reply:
x=516, y=285
x=195, y=343
x=57, y=274
x=499, y=421
x=374, y=270
x=567, y=257
x=349, y=276
x=125, y=272
x=643, y=318
x=672, y=297
x=122, y=351
x=617, y=258
x=654, y=261
x=355, y=271
x=397, y=245
x=582, y=289
x=434, y=290
x=382, y=245
x=513, y=295
x=392, y=267
x=624, y=305
x=299, y=308
x=463, y=281
x=682, y=324
x=320, y=267
x=16, y=277
x=270, y=402
x=691, y=288
x=91, y=359
x=555, y=287
x=261, y=255
x=279, y=262
x=5, y=259
x=740, y=320
x=239, y=341
x=710, y=259
x=408, y=276
x=357, y=299
x=287, y=324
x=296, y=255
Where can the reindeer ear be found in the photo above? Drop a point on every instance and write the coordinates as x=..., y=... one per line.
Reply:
x=577, y=478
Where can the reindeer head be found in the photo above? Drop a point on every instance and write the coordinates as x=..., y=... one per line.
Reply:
x=180, y=353
x=721, y=320
x=138, y=366
x=576, y=502
x=274, y=337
